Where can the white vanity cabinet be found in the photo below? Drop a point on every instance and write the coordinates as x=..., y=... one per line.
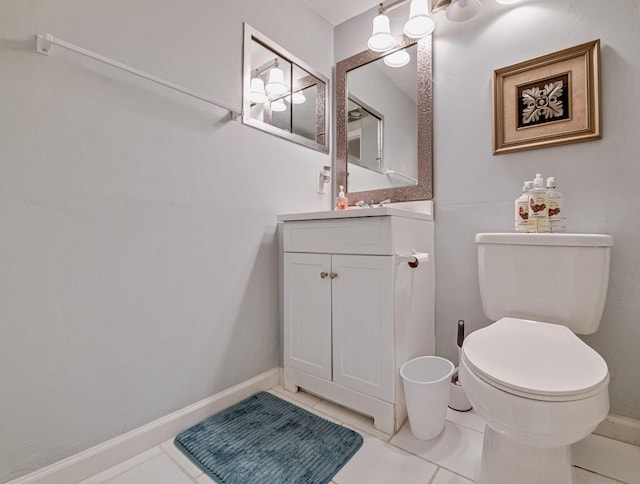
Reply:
x=354, y=310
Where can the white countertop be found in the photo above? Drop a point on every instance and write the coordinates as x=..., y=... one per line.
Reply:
x=355, y=212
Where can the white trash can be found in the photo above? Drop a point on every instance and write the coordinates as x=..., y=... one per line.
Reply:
x=426, y=387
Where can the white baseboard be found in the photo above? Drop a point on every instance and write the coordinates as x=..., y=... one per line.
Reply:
x=620, y=428
x=102, y=456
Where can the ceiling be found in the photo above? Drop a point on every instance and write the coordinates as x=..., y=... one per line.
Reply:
x=337, y=11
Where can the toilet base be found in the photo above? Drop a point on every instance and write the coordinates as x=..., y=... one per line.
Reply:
x=506, y=461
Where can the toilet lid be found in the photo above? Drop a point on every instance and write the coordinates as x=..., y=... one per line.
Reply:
x=534, y=359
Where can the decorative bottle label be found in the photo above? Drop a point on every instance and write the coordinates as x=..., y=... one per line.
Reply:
x=554, y=212
x=556, y=218
x=538, y=211
x=521, y=216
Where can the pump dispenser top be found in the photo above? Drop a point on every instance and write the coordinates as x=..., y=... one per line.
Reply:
x=538, y=181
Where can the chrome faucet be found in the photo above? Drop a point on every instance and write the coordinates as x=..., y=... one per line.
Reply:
x=372, y=204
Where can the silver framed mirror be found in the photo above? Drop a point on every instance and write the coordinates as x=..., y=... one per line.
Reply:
x=282, y=95
x=406, y=171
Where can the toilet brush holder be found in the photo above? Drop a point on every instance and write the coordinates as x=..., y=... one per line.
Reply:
x=457, y=398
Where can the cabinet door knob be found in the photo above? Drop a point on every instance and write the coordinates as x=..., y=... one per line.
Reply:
x=324, y=274
x=333, y=275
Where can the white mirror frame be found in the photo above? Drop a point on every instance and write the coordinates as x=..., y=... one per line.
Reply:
x=322, y=104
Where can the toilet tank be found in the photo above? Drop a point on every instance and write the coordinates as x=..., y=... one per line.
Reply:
x=556, y=278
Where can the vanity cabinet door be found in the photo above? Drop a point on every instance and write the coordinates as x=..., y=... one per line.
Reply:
x=307, y=313
x=362, y=315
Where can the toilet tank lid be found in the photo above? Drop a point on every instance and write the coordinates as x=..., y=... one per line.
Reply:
x=574, y=240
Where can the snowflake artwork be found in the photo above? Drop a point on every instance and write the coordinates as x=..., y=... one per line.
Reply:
x=544, y=101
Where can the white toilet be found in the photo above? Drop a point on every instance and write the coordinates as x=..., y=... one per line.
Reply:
x=538, y=386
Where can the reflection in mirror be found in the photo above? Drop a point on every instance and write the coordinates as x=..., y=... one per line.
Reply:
x=393, y=91
x=282, y=95
x=365, y=133
x=398, y=91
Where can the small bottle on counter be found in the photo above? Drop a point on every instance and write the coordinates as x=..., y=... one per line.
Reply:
x=342, y=202
x=532, y=226
x=556, y=214
x=521, y=215
x=538, y=205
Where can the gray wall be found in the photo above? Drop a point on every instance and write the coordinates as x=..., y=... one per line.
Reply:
x=474, y=190
x=138, y=251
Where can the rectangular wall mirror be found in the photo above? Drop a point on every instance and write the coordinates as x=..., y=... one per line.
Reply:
x=384, y=125
x=282, y=95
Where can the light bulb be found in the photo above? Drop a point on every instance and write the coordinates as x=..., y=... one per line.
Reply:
x=397, y=59
x=278, y=105
x=298, y=98
x=276, y=85
x=463, y=10
x=381, y=38
x=420, y=22
x=257, y=94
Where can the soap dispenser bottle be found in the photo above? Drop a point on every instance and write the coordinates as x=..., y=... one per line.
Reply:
x=521, y=215
x=342, y=202
x=538, y=205
x=556, y=213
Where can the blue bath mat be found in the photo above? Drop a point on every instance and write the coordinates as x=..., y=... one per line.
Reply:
x=267, y=440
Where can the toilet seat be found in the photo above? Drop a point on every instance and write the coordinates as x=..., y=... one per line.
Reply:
x=535, y=360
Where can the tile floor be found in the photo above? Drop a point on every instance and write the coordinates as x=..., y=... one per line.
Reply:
x=452, y=458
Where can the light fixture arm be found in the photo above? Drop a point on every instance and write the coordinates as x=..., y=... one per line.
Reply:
x=382, y=8
x=265, y=67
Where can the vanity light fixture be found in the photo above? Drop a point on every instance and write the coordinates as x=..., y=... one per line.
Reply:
x=257, y=93
x=278, y=105
x=419, y=24
x=463, y=10
x=276, y=85
x=297, y=98
x=397, y=59
x=381, y=38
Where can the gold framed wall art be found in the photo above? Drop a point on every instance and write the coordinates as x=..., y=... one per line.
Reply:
x=547, y=101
